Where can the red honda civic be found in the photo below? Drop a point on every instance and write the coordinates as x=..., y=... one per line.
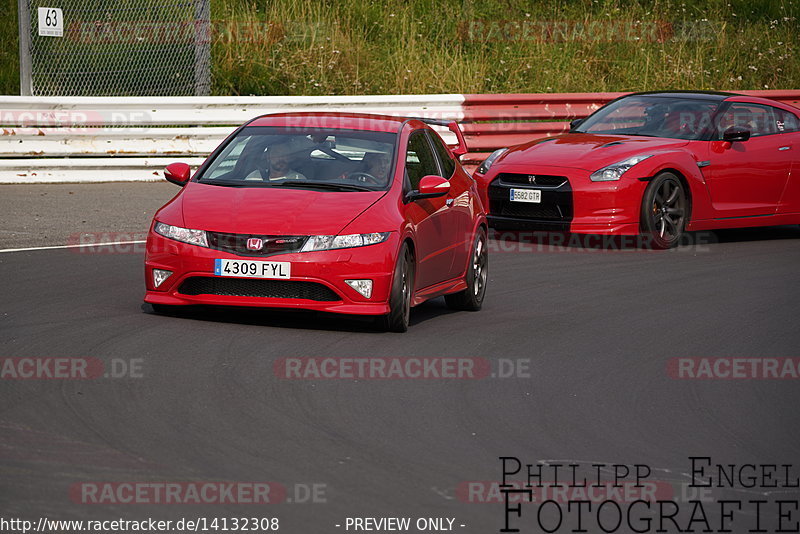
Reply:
x=335, y=212
x=656, y=165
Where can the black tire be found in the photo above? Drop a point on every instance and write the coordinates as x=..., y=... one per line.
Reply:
x=471, y=299
x=664, y=211
x=402, y=291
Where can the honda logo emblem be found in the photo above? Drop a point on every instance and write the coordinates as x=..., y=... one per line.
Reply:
x=531, y=178
x=255, y=243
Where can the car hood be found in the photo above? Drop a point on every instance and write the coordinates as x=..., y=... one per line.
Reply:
x=272, y=210
x=586, y=151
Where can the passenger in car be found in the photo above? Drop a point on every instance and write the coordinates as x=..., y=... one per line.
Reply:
x=680, y=122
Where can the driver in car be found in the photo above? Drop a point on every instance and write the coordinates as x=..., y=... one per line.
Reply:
x=279, y=164
x=376, y=164
x=654, y=118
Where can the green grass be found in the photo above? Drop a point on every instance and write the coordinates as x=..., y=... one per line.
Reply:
x=327, y=47
x=9, y=51
x=425, y=46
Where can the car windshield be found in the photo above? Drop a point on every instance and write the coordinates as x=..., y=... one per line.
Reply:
x=320, y=159
x=654, y=116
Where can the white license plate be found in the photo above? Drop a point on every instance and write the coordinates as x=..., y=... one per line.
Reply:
x=252, y=269
x=526, y=195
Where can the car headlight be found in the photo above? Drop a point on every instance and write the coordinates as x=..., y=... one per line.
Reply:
x=329, y=242
x=483, y=168
x=615, y=171
x=184, y=235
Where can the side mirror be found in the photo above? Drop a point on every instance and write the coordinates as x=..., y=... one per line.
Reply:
x=574, y=124
x=430, y=186
x=736, y=134
x=177, y=173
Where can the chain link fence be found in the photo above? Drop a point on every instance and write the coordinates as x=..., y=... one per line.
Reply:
x=115, y=47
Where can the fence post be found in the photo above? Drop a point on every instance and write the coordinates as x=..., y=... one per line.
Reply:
x=25, y=79
x=202, y=48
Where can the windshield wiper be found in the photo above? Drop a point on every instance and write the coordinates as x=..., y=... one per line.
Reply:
x=617, y=132
x=224, y=183
x=322, y=185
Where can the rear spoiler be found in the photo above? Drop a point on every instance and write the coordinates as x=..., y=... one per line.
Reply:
x=461, y=148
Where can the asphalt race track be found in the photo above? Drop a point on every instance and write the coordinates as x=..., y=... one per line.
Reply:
x=195, y=398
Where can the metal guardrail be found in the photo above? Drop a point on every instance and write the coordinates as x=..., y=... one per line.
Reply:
x=77, y=139
x=495, y=121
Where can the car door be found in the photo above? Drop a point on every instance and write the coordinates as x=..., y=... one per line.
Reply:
x=747, y=178
x=788, y=125
x=431, y=217
x=459, y=216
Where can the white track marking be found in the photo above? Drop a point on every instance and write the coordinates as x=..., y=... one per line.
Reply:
x=55, y=247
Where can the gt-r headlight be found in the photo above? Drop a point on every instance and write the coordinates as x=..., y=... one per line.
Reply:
x=615, y=171
x=330, y=242
x=184, y=235
x=483, y=168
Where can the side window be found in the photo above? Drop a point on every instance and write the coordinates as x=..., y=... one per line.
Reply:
x=420, y=160
x=785, y=121
x=445, y=156
x=756, y=118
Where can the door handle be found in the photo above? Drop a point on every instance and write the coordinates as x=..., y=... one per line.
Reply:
x=784, y=148
x=449, y=202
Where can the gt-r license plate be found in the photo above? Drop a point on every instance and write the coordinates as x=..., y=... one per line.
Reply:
x=252, y=269
x=526, y=195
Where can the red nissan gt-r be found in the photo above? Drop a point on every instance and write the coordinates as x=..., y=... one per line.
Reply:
x=656, y=165
x=336, y=212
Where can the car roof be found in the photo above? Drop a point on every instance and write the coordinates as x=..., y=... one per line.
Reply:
x=699, y=95
x=332, y=120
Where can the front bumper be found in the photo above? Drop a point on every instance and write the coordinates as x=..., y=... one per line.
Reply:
x=576, y=204
x=317, y=278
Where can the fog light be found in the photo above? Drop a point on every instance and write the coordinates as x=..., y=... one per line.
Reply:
x=159, y=276
x=364, y=287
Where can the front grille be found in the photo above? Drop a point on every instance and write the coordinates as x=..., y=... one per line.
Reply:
x=537, y=180
x=530, y=211
x=272, y=244
x=246, y=287
x=556, y=204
